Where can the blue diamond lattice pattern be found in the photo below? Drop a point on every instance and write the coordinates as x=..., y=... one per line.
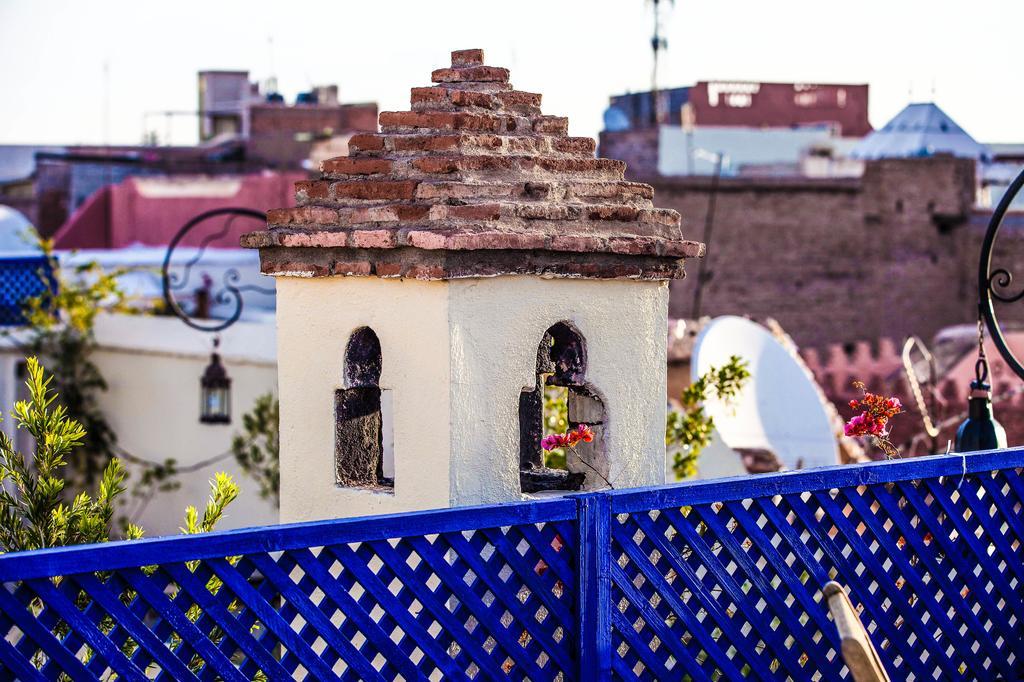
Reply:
x=484, y=603
x=20, y=279
x=729, y=588
x=717, y=580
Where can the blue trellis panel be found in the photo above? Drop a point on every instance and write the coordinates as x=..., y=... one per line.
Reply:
x=706, y=581
x=724, y=583
x=22, y=278
x=461, y=594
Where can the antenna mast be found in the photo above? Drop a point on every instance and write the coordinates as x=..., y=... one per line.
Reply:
x=658, y=44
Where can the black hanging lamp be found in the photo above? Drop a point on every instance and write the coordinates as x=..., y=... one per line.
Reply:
x=215, y=391
x=980, y=431
x=995, y=285
x=214, y=384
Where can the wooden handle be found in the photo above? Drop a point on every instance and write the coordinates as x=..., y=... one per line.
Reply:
x=858, y=651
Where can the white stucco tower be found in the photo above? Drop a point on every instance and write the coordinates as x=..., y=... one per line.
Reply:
x=432, y=280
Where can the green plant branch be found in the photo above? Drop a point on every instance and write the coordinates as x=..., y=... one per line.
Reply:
x=257, y=449
x=690, y=428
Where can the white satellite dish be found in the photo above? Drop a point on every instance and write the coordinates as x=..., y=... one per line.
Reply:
x=779, y=408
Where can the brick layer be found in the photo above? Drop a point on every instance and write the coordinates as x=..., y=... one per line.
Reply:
x=417, y=263
x=477, y=239
x=473, y=168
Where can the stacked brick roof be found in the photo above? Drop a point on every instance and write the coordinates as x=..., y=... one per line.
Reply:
x=475, y=181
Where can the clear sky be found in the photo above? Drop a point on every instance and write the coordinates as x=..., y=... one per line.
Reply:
x=54, y=54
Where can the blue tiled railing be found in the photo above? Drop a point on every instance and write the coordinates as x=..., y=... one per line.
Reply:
x=714, y=580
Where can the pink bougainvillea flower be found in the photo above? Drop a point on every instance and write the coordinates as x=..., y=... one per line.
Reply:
x=861, y=425
x=873, y=418
x=855, y=427
x=584, y=433
x=581, y=433
x=549, y=442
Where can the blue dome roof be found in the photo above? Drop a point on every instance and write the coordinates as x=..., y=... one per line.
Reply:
x=615, y=119
x=921, y=129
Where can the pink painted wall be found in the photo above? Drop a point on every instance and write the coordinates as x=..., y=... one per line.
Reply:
x=150, y=210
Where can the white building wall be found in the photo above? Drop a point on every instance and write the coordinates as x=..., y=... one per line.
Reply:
x=152, y=366
x=315, y=319
x=496, y=327
x=455, y=358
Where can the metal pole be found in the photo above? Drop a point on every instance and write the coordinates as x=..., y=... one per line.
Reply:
x=655, y=46
x=703, y=274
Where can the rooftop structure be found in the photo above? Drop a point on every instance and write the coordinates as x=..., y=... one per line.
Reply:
x=636, y=109
x=745, y=151
x=240, y=130
x=669, y=151
x=921, y=129
x=477, y=226
x=224, y=97
x=149, y=210
x=843, y=107
x=18, y=161
x=276, y=133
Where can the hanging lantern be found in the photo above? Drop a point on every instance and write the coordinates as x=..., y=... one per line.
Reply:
x=980, y=431
x=215, y=391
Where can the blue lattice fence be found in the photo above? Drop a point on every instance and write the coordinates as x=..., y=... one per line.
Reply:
x=715, y=580
x=452, y=594
x=723, y=581
x=21, y=278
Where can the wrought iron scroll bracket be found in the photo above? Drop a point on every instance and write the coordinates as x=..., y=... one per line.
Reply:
x=230, y=291
x=994, y=285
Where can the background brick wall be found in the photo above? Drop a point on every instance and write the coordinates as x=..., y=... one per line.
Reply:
x=890, y=254
x=638, y=148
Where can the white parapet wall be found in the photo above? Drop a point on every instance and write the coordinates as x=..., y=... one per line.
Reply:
x=496, y=326
x=456, y=355
x=152, y=366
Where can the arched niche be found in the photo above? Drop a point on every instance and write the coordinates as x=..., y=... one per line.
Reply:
x=562, y=361
x=359, y=452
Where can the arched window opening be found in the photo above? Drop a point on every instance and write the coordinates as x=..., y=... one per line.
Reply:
x=362, y=359
x=359, y=443
x=559, y=401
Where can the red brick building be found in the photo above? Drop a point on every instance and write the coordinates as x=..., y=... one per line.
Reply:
x=283, y=135
x=241, y=132
x=752, y=105
x=275, y=133
x=780, y=105
x=851, y=267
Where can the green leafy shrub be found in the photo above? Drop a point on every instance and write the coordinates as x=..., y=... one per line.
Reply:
x=33, y=510
x=61, y=324
x=61, y=331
